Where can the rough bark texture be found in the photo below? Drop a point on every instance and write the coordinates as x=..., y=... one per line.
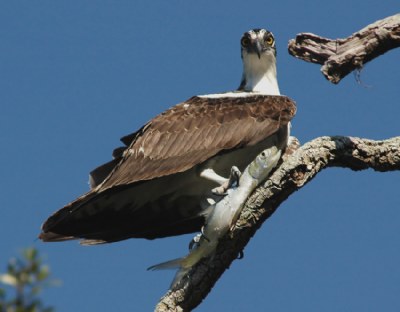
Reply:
x=341, y=56
x=295, y=171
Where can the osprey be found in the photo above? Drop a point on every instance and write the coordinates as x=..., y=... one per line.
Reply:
x=162, y=182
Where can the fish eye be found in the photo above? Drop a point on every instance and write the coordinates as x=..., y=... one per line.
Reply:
x=245, y=42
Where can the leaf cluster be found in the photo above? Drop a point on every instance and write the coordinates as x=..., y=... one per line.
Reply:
x=26, y=276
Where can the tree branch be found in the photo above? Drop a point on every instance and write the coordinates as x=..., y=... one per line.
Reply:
x=294, y=172
x=341, y=56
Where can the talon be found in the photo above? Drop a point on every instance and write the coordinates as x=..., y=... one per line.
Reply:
x=240, y=255
x=195, y=241
x=220, y=190
x=234, y=176
x=232, y=181
x=203, y=235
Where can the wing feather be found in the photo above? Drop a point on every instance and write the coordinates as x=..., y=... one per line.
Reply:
x=196, y=130
x=129, y=192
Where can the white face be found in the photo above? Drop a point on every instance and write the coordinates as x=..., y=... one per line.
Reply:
x=259, y=62
x=259, y=65
x=258, y=41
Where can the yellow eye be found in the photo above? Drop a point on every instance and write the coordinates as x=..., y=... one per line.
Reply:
x=245, y=42
x=269, y=41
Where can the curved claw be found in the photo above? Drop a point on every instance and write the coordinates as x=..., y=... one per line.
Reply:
x=234, y=176
x=203, y=235
x=232, y=181
x=240, y=255
x=220, y=190
x=195, y=241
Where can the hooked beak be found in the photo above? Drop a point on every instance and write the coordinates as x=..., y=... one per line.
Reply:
x=258, y=48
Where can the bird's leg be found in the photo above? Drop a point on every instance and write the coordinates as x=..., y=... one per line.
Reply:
x=232, y=181
x=224, y=183
x=211, y=175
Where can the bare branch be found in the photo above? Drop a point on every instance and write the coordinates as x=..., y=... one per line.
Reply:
x=294, y=172
x=341, y=56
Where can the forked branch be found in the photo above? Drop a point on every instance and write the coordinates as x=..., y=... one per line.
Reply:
x=339, y=57
x=294, y=172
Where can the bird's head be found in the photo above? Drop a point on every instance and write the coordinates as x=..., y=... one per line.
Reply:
x=258, y=42
x=259, y=62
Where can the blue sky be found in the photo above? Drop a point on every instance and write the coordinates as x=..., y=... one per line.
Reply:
x=76, y=76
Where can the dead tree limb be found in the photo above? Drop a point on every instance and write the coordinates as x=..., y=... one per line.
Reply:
x=339, y=57
x=294, y=172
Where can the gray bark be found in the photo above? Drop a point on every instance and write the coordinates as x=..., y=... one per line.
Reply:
x=296, y=169
x=339, y=57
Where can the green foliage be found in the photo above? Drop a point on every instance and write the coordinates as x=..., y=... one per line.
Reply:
x=27, y=276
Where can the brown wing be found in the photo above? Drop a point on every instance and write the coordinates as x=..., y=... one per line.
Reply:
x=196, y=130
x=134, y=200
